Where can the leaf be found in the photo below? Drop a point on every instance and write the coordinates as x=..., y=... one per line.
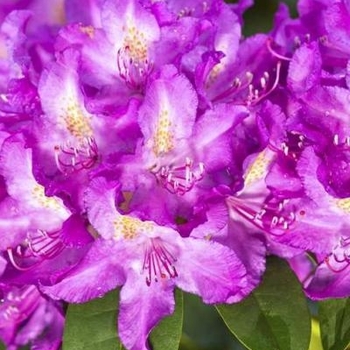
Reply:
x=275, y=316
x=334, y=317
x=167, y=334
x=92, y=325
x=203, y=328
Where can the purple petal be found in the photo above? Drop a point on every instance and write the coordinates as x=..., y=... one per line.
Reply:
x=100, y=204
x=305, y=68
x=166, y=98
x=210, y=270
x=141, y=308
x=97, y=273
x=74, y=232
x=329, y=284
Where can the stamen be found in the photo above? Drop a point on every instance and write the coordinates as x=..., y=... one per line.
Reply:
x=274, y=53
x=347, y=140
x=297, y=42
x=18, y=255
x=271, y=217
x=236, y=86
x=257, y=96
x=158, y=262
x=294, y=145
x=133, y=71
x=339, y=260
x=18, y=303
x=11, y=312
x=343, y=142
x=40, y=245
x=71, y=158
x=179, y=179
x=185, y=12
x=323, y=39
x=44, y=244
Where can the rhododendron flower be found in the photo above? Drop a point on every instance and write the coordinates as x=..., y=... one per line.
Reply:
x=148, y=145
x=149, y=260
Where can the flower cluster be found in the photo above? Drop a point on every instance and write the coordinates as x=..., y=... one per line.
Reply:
x=147, y=145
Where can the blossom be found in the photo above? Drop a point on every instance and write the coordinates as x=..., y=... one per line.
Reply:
x=148, y=145
x=148, y=260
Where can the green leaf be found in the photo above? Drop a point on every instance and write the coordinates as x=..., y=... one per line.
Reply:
x=203, y=328
x=167, y=334
x=92, y=325
x=334, y=317
x=2, y=346
x=275, y=316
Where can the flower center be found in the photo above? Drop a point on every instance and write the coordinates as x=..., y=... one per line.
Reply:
x=83, y=155
x=127, y=227
x=158, y=262
x=133, y=71
x=132, y=59
x=76, y=122
x=179, y=179
x=39, y=246
x=163, y=139
x=272, y=217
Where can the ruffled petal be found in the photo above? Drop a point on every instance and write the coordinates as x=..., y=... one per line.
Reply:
x=166, y=98
x=329, y=284
x=100, y=205
x=98, y=272
x=210, y=270
x=305, y=68
x=16, y=167
x=141, y=308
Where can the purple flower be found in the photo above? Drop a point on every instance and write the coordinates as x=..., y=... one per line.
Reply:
x=149, y=261
x=146, y=145
x=47, y=237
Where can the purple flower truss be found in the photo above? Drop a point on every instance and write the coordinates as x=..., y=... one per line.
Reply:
x=149, y=145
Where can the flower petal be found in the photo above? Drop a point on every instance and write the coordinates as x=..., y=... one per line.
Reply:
x=168, y=97
x=97, y=273
x=141, y=308
x=210, y=270
x=100, y=204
